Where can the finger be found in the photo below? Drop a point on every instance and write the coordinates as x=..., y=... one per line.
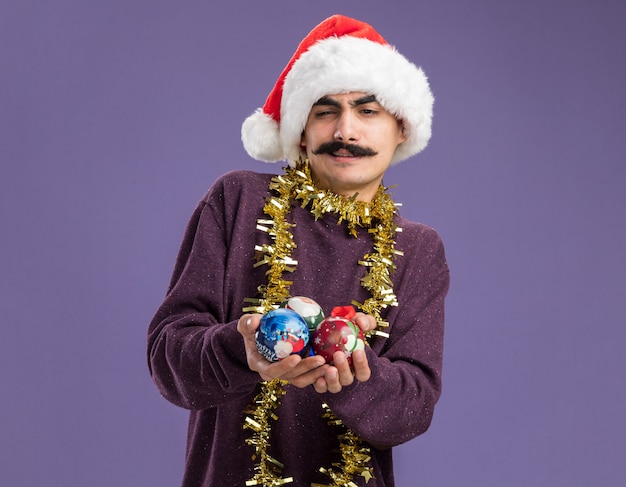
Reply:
x=320, y=385
x=282, y=368
x=345, y=375
x=309, y=364
x=332, y=380
x=365, y=322
x=309, y=377
x=248, y=324
x=362, y=370
x=306, y=369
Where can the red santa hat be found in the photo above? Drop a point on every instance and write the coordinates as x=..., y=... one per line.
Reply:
x=340, y=55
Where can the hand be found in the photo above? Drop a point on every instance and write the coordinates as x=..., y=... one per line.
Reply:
x=300, y=372
x=340, y=374
x=365, y=322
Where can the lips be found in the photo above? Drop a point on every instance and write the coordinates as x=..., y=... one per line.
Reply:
x=343, y=153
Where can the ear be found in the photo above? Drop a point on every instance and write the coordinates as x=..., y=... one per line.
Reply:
x=403, y=133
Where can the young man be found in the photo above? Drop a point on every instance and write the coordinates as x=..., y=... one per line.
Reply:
x=345, y=108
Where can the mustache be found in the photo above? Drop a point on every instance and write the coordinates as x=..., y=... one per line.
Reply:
x=335, y=146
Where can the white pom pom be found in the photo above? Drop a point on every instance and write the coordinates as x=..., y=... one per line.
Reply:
x=260, y=137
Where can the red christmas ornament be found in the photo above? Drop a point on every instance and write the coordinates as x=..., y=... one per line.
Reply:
x=338, y=333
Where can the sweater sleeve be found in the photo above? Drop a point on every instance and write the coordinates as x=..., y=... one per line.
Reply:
x=196, y=356
x=398, y=401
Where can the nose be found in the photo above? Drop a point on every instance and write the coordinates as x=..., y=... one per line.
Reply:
x=346, y=128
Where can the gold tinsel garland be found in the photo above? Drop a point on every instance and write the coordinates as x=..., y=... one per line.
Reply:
x=377, y=217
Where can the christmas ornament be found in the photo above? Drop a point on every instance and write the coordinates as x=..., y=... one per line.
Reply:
x=282, y=332
x=338, y=334
x=307, y=308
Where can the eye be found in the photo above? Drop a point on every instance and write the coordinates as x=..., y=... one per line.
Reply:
x=369, y=110
x=325, y=113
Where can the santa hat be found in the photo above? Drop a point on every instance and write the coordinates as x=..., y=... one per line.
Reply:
x=340, y=55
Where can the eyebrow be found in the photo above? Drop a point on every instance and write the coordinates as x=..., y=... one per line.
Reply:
x=327, y=101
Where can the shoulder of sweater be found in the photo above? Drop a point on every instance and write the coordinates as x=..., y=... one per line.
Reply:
x=421, y=245
x=237, y=181
x=413, y=227
x=418, y=238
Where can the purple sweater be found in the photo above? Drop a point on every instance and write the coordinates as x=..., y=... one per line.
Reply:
x=197, y=357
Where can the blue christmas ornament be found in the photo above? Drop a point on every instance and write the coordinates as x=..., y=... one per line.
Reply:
x=282, y=332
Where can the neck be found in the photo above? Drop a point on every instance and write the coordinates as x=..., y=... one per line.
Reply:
x=366, y=194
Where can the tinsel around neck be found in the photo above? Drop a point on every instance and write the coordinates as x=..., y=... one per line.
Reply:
x=377, y=217
x=355, y=212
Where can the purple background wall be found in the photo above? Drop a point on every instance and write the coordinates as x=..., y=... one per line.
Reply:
x=116, y=116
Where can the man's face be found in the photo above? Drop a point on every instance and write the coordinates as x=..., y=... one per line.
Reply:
x=349, y=140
